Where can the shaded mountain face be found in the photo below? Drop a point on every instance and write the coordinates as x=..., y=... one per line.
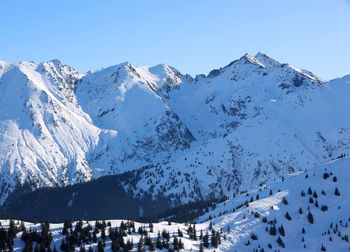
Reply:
x=249, y=122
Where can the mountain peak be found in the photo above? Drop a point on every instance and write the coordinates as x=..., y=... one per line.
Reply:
x=251, y=59
x=266, y=60
x=246, y=59
x=56, y=62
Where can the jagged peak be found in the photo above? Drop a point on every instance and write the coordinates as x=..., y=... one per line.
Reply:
x=267, y=60
x=112, y=68
x=245, y=59
x=166, y=69
x=56, y=62
x=251, y=59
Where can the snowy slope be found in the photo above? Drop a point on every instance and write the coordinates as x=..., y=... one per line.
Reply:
x=146, y=130
x=330, y=222
x=256, y=212
x=249, y=122
x=253, y=123
x=45, y=135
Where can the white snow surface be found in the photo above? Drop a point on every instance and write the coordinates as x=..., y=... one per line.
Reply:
x=237, y=222
x=247, y=123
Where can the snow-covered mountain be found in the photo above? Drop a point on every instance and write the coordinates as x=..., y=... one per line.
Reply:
x=305, y=211
x=249, y=122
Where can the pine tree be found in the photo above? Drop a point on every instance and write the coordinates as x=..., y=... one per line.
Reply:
x=175, y=244
x=100, y=246
x=336, y=192
x=288, y=217
x=280, y=242
x=214, y=241
x=206, y=240
x=151, y=246
x=180, y=244
x=273, y=230
x=201, y=249
x=159, y=244
x=194, y=232
x=281, y=230
x=310, y=217
x=309, y=191
x=253, y=236
x=139, y=245
x=179, y=232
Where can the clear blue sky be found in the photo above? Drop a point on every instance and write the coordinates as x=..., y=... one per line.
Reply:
x=194, y=36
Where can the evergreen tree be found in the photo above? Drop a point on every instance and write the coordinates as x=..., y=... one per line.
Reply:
x=201, y=249
x=179, y=232
x=206, y=240
x=100, y=246
x=175, y=244
x=281, y=230
x=159, y=244
x=273, y=230
x=285, y=201
x=194, y=233
x=309, y=191
x=180, y=244
x=151, y=246
x=139, y=245
x=336, y=192
x=214, y=241
x=310, y=217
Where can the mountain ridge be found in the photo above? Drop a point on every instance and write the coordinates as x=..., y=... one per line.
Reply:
x=68, y=127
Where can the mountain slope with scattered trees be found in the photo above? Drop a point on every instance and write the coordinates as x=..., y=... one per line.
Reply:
x=306, y=211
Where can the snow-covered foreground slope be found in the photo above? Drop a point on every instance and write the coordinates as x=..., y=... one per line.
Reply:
x=313, y=191
x=249, y=122
x=253, y=220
